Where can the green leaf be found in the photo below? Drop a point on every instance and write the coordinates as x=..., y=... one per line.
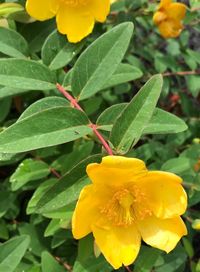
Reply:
x=8, y=91
x=130, y=124
x=177, y=165
x=5, y=105
x=100, y=60
x=37, y=241
x=146, y=259
x=107, y=118
x=25, y=74
x=67, y=189
x=161, y=121
x=57, y=52
x=49, y=264
x=39, y=193
x=12, y=43
x=193, y=82
x=12, y=252
x=64, y=124
x=164, y=122
x=28, y=170
x=44, y=104
x=124, y=73
x=173, y=261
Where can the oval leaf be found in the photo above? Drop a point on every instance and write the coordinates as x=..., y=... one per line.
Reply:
x=130, y=124
x=12, y=43
x=12, y=252
x=25, y=74
x=57, y=52
x=100, y=60
x=48, y=127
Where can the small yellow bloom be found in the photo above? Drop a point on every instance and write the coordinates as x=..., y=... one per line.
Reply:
x=168, y=18
x=196, y=224
x=126, y=203
x=75, y=18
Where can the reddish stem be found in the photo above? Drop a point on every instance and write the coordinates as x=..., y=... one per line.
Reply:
x=75, y=104
x=128, y=269
x=73, y=101
x=55, y=173
x=101, y=139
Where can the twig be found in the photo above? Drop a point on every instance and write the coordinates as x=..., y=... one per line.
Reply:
x=128, y=269
x=72, y=100
x=182, y=73
x=55, y=173
x=74, y=104
x=66, y=266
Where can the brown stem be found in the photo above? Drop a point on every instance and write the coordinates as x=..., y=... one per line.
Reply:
x=66, y=266
x=128, y=269
x=75, y=104
x=55, y=173
x=182, y=73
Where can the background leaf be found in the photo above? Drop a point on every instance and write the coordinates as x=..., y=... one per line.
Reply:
x=12, y=252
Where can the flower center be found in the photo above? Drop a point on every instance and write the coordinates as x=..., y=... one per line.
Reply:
x=125, y=207
x=74, y=3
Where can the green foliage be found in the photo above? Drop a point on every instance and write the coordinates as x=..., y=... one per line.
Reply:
x=140, y=90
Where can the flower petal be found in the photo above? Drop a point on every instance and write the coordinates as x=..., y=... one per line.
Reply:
x=164, y=4
x=42, y=10
x=162, y=233
x=165, y=195
x=116, y=171
x=75, y=22
x=171, y=28
x=86, y=213
x=176, y=11
x=159, y=17
x=119, y=245
x=100, y=9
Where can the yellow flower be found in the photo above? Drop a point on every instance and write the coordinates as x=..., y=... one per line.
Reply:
x=75, y=18
x=196, y=224
x=126, y=203
x=168, y=18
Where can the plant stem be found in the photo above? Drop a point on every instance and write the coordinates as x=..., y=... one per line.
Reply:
x=75, y=104
x=182, y=73
x=101, y=139
x=72, y=100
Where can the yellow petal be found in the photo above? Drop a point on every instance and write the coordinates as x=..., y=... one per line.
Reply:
x=100, y=9
x=176, y=11
x=159, y=17
x=42, y=10
x=118, y=245
x=75, y=22
x=86, y=213
x=116, y=171
x=162, y=233
x=164, y=4
x=165, y=195
x=170, y=28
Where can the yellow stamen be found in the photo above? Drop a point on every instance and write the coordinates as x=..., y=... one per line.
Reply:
x=123, y=209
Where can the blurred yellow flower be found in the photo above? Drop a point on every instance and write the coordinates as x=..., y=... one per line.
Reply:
x=168, y=18
x=196, y=224
x=75, y=18
x=126, y=203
